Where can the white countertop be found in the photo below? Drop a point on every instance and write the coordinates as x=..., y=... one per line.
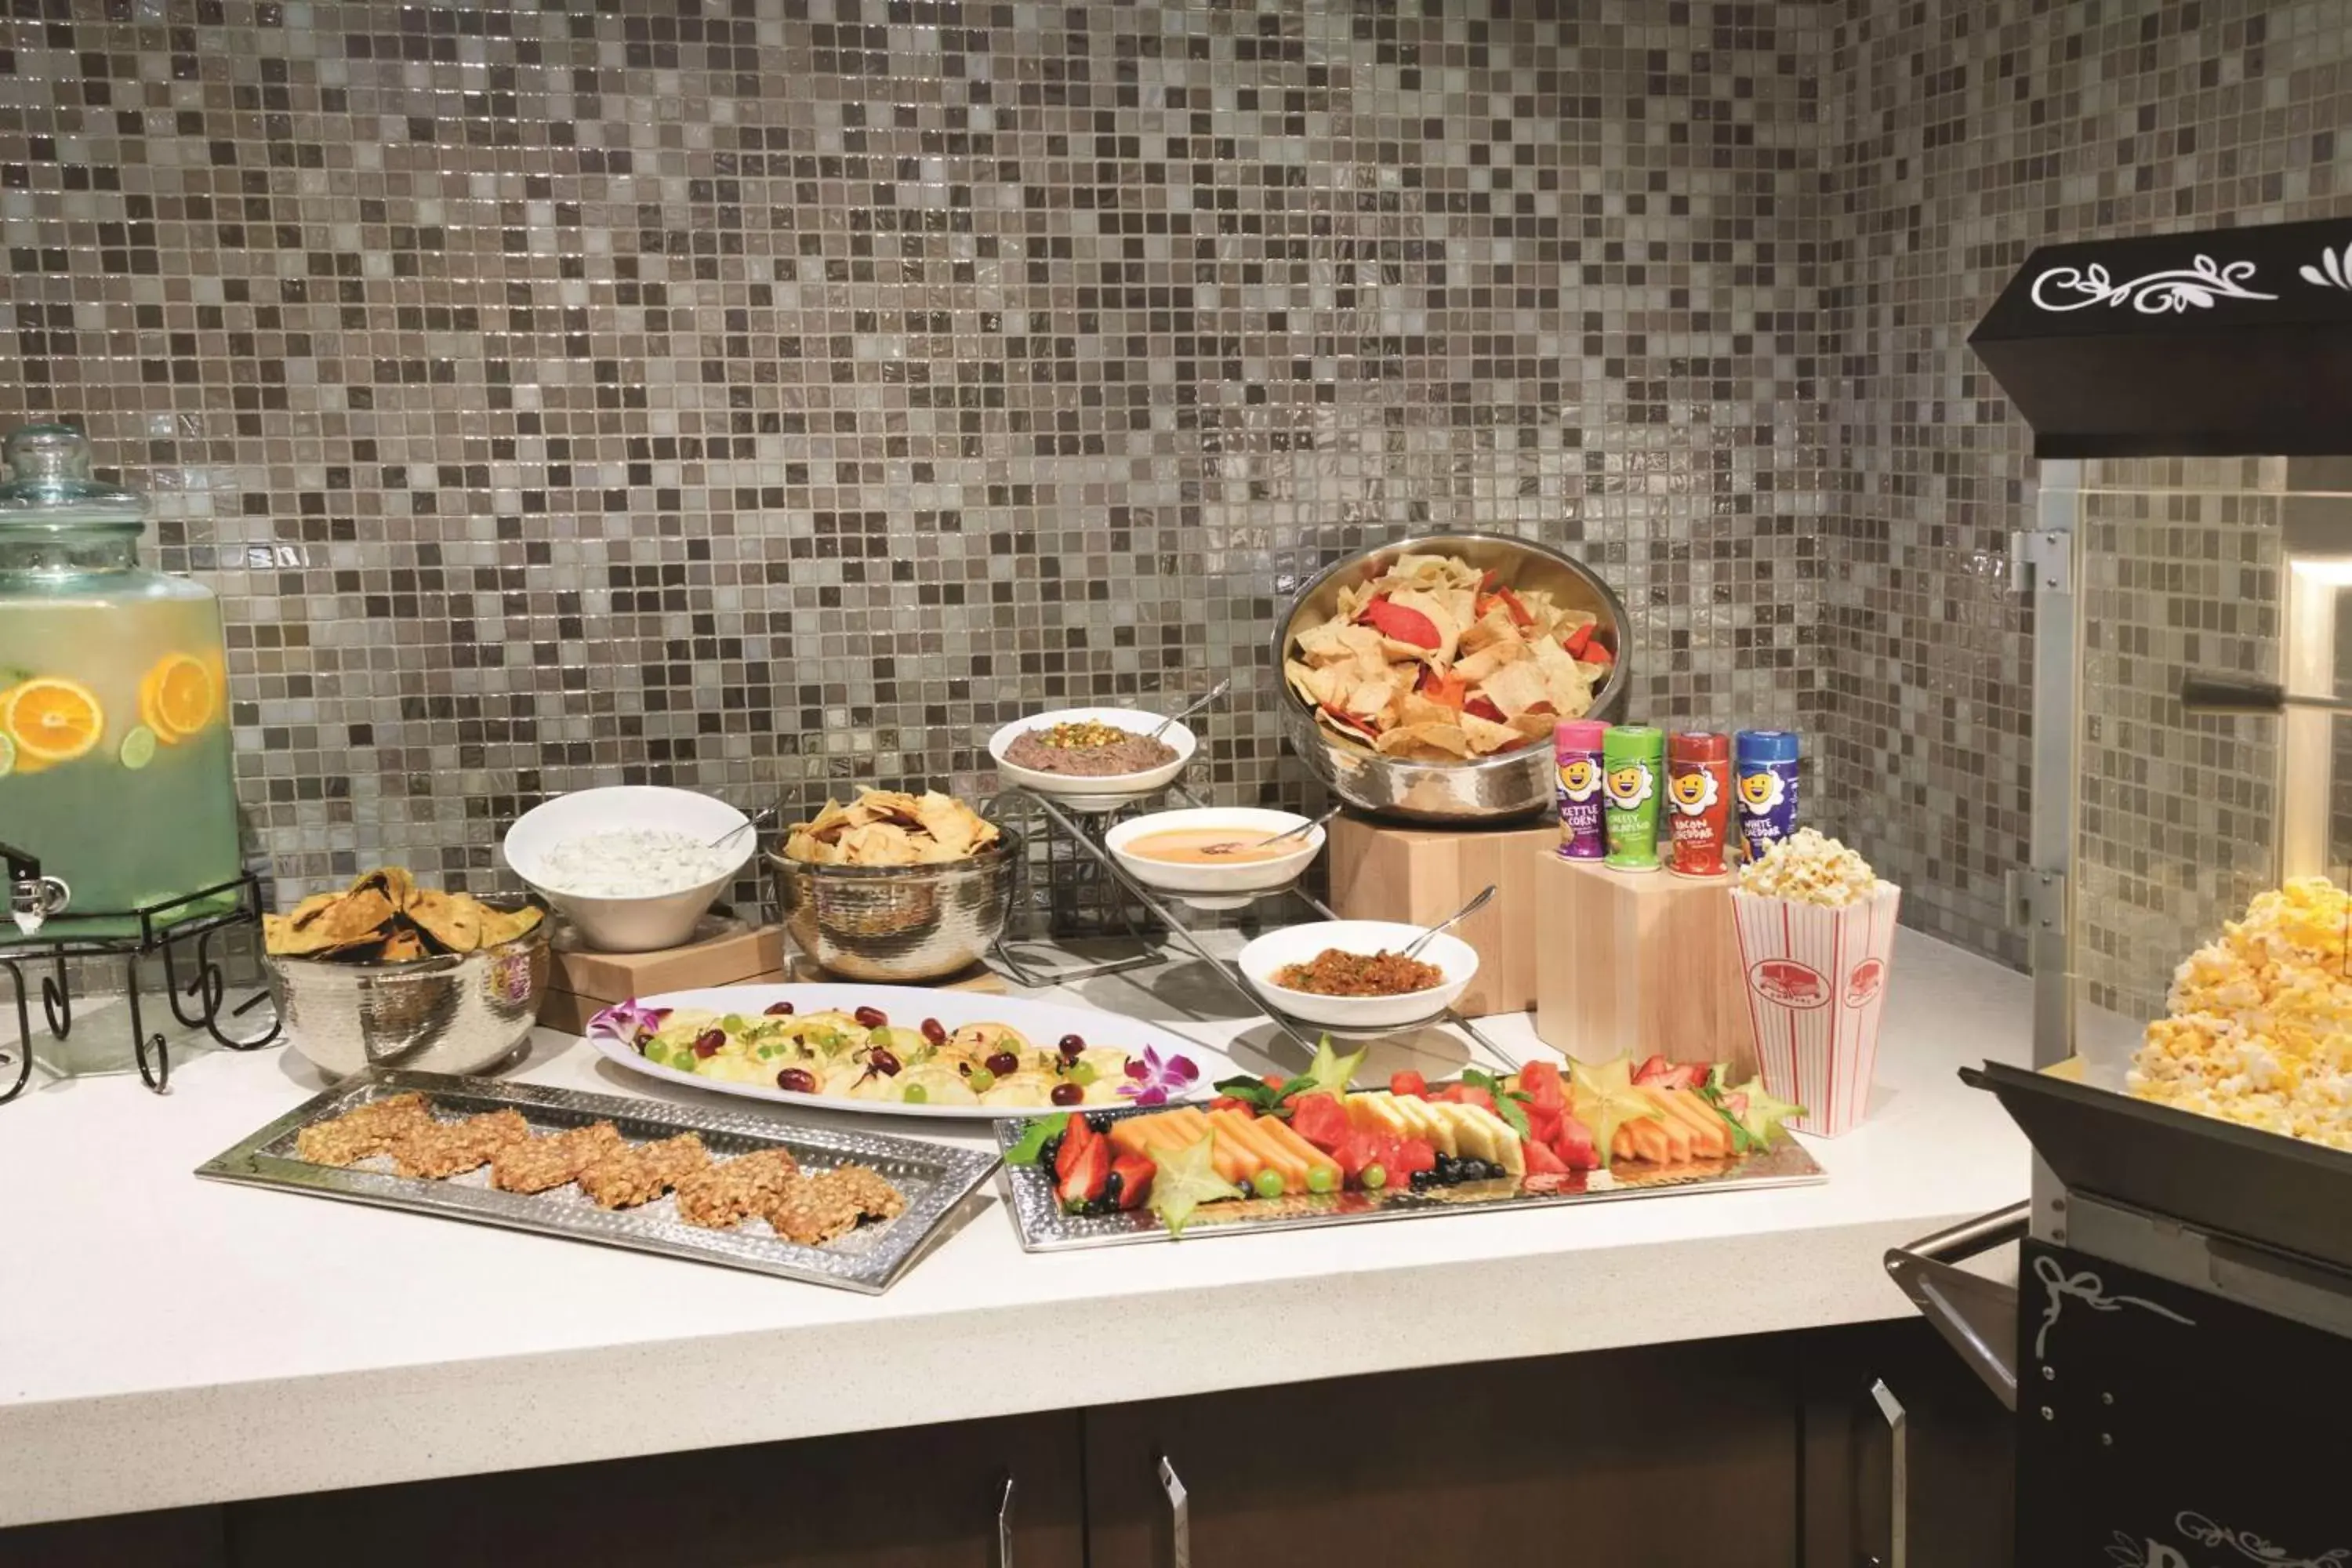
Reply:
x=175, y=1342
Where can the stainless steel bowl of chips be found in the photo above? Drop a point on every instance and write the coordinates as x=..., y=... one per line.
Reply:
x=386, y=974
x=1508, y=782
x=453, y=1012
x=899, y=922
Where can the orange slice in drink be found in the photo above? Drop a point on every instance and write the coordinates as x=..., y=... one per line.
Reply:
x=178, y=697
x=52, y=719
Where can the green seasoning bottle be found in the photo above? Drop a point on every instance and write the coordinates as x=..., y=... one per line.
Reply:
x=1633, y=763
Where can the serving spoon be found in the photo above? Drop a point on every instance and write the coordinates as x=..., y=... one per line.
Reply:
x=1303, y=827
x=1219, y=690
x=1464, y=912
x=753, y=820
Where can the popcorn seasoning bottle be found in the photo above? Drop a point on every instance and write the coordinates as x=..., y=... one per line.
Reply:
x=1577, y=754
x=1699, y=803
x=1632, y=758
x=1765, y=768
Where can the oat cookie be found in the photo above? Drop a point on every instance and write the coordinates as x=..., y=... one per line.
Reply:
x=719, y=1196
x=640, y=1175
x=353, y=1136
x=438, y=1150
x=537, y=1165
x=829, y=1206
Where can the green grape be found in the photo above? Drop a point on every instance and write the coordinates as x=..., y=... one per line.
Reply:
x=916, y=1094
x=1372, y=1178
x=981, y=1080
x=1322, y=1178
x=1268, y=1182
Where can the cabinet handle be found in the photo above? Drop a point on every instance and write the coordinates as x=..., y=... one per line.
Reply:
x=1003, y=1556
x=1180, y=1517
x=1898, y=1424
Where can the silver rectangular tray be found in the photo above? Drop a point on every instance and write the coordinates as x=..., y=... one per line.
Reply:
x=1029, y=1194
x=936, y=1179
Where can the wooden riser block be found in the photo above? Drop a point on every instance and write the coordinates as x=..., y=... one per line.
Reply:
x=1381, y=871
x=1639, y=964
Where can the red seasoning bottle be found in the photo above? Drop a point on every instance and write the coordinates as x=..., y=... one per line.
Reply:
x=1699, y=801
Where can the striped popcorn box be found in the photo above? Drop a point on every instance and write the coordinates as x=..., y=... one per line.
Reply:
x=1816, y=985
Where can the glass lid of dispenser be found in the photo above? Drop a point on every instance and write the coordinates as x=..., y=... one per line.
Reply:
x=50, y=484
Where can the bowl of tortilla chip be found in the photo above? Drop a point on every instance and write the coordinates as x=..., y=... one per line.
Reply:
x=896, y=887
x=630, y=866
x=386, y=974
x=1423, y=678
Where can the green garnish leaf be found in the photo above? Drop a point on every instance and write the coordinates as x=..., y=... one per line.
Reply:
x=1187, y=1178
x=1034, y=1137
x=1509, y=1104
x=1254, y=1093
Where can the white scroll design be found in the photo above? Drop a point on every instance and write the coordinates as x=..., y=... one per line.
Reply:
x=2252, y=1547
x=2334, y=271
x=2178, y=289
x=2088, y=1288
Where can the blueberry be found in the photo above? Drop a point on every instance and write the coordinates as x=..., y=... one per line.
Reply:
x=1049, y=1152
x=1423, y=1179
x=1111, y=1187
x=1099, y=1121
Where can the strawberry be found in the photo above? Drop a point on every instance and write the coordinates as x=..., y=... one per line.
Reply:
x=1134, y=1173
x=1075, y=1136
x=1652, y=1071
x=1089, y=1175
x=1409, y=1082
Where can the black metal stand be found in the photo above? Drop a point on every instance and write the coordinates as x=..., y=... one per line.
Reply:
x=196, y=1003
x=1160, y=909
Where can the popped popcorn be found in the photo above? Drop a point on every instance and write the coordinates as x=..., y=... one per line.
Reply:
x=2260, y=1025
x=1809, y=867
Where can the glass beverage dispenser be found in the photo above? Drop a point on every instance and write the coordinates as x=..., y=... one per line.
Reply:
x=115, y=744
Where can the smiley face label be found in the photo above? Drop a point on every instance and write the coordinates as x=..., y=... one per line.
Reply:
x=1762, y=790
x=1630, y=785
x=1580, y=779
x=1693, y=793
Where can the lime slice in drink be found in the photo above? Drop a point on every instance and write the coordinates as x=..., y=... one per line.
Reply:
x=7, y=756
x=138, y=748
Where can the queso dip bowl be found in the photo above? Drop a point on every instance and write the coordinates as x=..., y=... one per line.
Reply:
x=1216, y=884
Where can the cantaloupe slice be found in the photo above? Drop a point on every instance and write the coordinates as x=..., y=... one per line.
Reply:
x=1306, y=1154
x=1710, y=1139
x=1251, y=1136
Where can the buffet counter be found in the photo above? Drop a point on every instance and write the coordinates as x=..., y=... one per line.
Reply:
x=180, y=1342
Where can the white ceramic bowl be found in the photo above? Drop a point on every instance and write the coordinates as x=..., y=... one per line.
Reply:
x=626, y=925
x=1298, y=944
x=1109, y=791
x=1212, y=884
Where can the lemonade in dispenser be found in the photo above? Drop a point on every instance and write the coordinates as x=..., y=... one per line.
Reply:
x=114, y=743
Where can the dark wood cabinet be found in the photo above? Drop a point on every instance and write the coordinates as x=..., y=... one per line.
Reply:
x=1959, y=1472
x=1665, y=1456
x=924, y=1496
x=1757, y=1453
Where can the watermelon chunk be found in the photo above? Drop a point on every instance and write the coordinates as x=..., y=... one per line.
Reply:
x=1320, y=1119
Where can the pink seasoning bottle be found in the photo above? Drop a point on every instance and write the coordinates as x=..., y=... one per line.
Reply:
x=1576, y=777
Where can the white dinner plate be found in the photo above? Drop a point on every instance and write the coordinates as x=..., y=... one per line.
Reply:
x=1044, y=1024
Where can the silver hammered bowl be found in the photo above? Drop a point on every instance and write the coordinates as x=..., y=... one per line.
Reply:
x=1492, y=789
x=458, y=1013
x=898, y=922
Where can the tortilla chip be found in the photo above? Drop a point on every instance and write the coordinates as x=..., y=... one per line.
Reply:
x=501, y=926
x=1496, y=626
x=310, y=910
x=359, y=915
x=403, y=947
x=1516, y=687
x=393, y=881
x=1486, y=736
x=455, y=921
x=1445, y=741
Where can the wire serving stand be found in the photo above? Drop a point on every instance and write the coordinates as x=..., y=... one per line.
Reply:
x=198, y=1003
x=1086, y=833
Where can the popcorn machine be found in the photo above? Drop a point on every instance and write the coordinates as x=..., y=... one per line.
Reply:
x=2184, y=1283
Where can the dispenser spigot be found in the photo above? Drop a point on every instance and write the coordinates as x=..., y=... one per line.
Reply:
x=32, y=898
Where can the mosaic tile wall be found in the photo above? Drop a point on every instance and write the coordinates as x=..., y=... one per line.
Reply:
x=763, y=395
x=1961, y=136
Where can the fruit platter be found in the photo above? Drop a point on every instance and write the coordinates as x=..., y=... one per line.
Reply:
x=1319, y=1149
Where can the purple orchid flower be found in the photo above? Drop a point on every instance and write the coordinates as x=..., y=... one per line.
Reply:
x=1152, y=1081
x=629, y=1022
